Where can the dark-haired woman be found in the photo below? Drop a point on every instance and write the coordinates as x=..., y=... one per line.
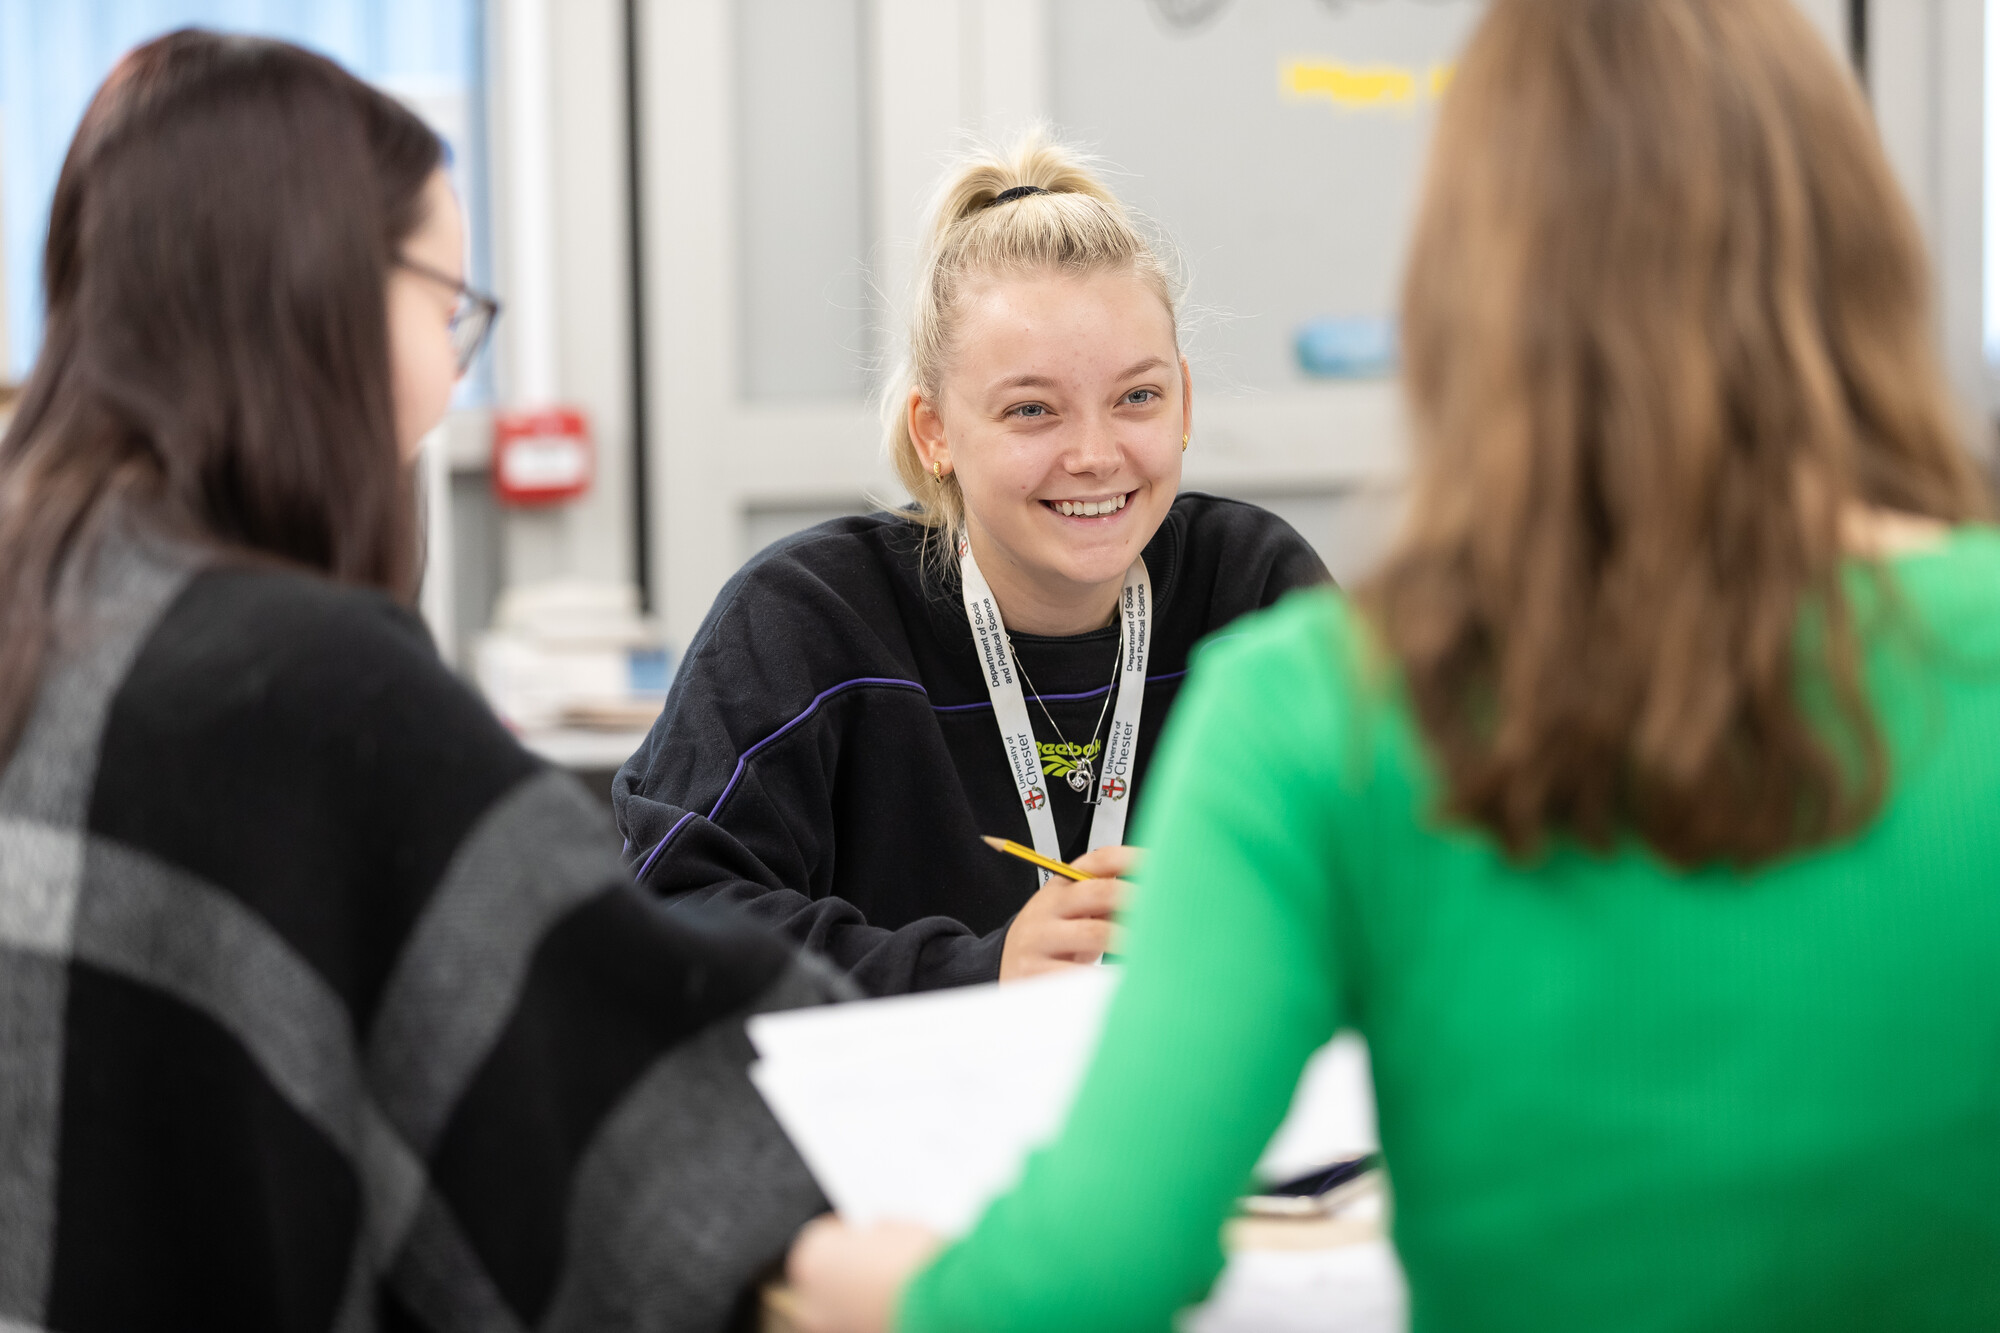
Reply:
x=322, y=1004
x=1640, y=812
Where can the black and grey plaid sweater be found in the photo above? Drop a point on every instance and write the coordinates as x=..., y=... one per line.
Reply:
x=324, y=1006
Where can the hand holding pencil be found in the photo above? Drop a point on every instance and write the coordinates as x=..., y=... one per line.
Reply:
x=1068, y=921
x=1034, y=858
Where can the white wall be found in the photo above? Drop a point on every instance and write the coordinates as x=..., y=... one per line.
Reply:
x=562, y=248
x=1830, y=16
x=729, y=467
x=731, y=462
x=1927, y=80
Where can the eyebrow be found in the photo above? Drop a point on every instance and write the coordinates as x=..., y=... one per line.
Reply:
x=1138, y=368
x=1044, y=382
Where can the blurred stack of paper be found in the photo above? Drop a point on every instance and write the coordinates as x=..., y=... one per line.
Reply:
x=922, y=1108
x=571, y=653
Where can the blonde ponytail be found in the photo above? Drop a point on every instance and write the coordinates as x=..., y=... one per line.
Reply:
x=1057, y=216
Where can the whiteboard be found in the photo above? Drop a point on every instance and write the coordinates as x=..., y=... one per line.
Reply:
x=1278, y=143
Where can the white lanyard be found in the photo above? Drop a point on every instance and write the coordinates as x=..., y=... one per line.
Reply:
x=1010, y=706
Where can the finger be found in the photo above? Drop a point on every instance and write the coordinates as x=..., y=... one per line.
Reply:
x=1082, y=940
x=1037, y=965
x=1091, y=898
x=1116, y=947
x=1109, y=862
x=816, y=1240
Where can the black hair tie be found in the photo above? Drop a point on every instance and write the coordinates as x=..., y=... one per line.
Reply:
x=1018, y=192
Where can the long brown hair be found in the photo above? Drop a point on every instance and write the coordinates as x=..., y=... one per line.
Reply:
x=216, y=346
x=1665, y=324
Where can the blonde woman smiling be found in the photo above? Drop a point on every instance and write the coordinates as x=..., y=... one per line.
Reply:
x=869, y=697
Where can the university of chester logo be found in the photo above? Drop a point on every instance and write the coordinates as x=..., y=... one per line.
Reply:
x=1114, y=789
x=1035, y=799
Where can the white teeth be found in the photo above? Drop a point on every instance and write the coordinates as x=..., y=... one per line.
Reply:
x=1090, y=508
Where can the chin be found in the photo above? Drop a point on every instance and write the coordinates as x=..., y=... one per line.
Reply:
x=1099, y=568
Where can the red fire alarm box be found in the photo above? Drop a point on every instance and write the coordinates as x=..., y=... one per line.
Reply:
x=541, y=456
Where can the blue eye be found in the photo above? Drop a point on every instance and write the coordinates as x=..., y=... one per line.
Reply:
x=1029, y=410
x=1141, y=396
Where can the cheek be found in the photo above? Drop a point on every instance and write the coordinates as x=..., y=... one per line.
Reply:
x=999, y=468
x=1156, y=455
x=422, y=368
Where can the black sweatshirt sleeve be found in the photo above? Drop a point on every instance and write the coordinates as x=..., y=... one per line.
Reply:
x=710, y=866
x=731, y=799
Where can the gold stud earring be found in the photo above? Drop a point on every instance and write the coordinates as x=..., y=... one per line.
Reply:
x=1184, y=440
x=937, y=469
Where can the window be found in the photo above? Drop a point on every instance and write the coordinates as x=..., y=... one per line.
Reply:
x=53, y=56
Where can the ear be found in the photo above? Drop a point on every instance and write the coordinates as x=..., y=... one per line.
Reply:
x=927, y=432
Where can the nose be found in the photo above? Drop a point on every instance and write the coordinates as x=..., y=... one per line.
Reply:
x=1096, y=451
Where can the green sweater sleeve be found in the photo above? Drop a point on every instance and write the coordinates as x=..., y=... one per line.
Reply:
x=1231, y=982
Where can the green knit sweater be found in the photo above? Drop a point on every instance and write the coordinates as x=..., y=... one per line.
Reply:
x=1612, y=1095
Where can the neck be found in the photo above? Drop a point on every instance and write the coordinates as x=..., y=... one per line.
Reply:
x=1036, y=604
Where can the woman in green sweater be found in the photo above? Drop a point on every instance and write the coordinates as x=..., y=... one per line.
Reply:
x=1640, y=811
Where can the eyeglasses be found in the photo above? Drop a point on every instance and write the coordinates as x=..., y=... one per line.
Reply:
x=471, y=319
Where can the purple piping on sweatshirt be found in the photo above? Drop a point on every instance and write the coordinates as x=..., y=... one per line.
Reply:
x=813, y=707
x=661, y=845
x=750, y=753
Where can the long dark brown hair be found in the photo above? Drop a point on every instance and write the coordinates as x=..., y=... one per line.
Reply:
x=216, y=342
x=1666, y=329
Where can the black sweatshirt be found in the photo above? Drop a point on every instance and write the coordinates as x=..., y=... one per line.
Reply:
x=828, y=758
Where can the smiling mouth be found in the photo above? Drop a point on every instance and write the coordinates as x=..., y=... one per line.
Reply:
x=1090, y=508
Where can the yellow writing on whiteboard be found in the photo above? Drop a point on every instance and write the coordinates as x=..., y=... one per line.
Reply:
x=1360, y=86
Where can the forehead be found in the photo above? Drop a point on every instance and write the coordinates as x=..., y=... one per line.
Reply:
x=1061, y=326
x=439, y=238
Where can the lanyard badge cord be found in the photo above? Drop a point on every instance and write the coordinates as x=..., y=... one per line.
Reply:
x=1010, y=707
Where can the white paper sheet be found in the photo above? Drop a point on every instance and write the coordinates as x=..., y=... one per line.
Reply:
x=1352, y=1289
x=921, y=1108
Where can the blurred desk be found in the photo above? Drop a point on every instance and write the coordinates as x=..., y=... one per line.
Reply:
x=594, y=756
x=584, y=751
x=1327, y=1275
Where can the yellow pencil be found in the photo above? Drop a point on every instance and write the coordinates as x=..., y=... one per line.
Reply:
x=1033, y=857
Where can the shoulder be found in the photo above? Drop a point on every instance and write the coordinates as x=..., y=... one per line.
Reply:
x=1310, y=638
x=305, y=657
x=857, y=546
x=1961, y=576
x=839, y=596
x=1312, y=665
x=275, y=718
x=1222, y=517
x=844, y=562
x=288, y=621
x=1221, y=520
x=1223, y=558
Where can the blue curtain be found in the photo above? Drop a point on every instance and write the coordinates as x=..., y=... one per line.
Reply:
x=53, y=56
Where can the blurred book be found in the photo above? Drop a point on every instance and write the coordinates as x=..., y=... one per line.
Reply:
x=573, y=654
